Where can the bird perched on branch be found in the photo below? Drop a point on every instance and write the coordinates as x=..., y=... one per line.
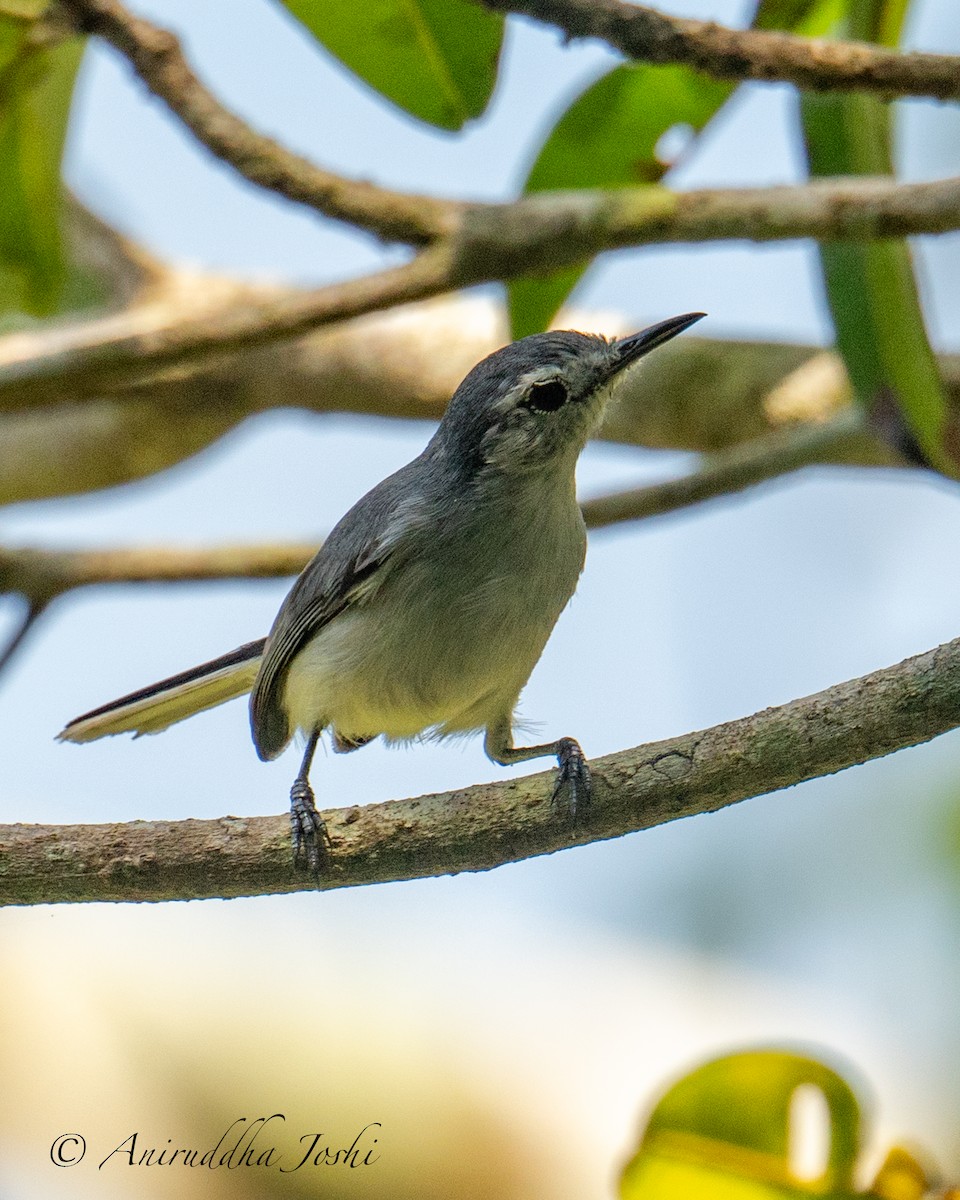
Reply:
x=430, y=603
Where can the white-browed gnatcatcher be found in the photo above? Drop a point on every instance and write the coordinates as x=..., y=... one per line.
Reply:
x=428, y=606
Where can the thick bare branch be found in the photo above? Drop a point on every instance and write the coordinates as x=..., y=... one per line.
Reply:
x=699, y=395
x=814, y=64
x=537, y=234
x=156, y=56
x=94, y=357
x=549, y=230
x=478, y=828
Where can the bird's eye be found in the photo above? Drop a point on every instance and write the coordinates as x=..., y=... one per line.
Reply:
x=547, y=397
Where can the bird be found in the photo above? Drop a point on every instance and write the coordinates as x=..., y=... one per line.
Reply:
x=427, y=608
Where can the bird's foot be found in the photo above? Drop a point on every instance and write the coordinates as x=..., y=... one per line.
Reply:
x=573, y=779
x=308, y=830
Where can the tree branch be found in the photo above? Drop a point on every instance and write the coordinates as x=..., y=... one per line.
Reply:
x=815, y=64
x=41, y=575
x=477, y=828
x=156, y=56
x=94, y=357
x=732, y=471
x=698, y=395
x=537, y=234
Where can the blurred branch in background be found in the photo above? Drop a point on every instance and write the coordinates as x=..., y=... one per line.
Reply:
x=540, y=233
x=698, y=395
x=481, y=827
x=41, y=575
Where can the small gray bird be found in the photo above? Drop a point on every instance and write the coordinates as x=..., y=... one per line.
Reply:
x=430, y=603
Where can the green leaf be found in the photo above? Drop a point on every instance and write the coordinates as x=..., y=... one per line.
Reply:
x=609, y=137
x=16, y=17
x=871, y=287
x=724, y=1132
x=892, y=15
x=435, y=59
x=12, y=35
x=874, y=21
x=36, y=86
x=812, y=18
x=782, y=14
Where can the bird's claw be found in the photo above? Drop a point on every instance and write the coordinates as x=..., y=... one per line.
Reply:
x=308, y=830
x=573, y=778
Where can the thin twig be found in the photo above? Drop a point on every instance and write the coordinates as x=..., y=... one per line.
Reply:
x=730, y=472
x=47, y=573
x=478, y=828
x=33, y=610
x=155, y=54
x=815, y=64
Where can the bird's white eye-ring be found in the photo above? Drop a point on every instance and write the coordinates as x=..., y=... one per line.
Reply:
x=547, y=396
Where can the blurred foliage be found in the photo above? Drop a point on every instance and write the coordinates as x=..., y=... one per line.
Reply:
x=435, y=59
x=613, y=135
x=871, y=286
x=36, y=87
x=618, y=134
x=728, y=1131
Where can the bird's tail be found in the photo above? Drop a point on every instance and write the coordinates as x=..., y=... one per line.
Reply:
x=162, y=704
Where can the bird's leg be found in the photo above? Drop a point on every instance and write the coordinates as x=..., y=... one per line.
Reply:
x=311, y=842
x=573, y=778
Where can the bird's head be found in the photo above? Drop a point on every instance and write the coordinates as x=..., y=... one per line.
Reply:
x=538, y=400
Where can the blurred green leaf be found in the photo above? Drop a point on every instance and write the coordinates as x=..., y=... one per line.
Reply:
x=36, y=86
x=812, y=18
x=871, y=286
x=889, y=21
x=14, y=27
x=724, y=1132
x=12, y=34
x=435, y=59
x=874, y=20
x=901, y=1177
x=781, y=14
x=611, y=136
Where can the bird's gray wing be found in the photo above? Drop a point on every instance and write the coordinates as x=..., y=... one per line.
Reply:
x=344, y=572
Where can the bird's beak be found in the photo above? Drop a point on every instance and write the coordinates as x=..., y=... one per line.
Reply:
x=629, y=349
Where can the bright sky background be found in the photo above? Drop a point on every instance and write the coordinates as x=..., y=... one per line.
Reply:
x=818, y=908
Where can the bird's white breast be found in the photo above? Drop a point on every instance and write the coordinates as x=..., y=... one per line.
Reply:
x=448, y=639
